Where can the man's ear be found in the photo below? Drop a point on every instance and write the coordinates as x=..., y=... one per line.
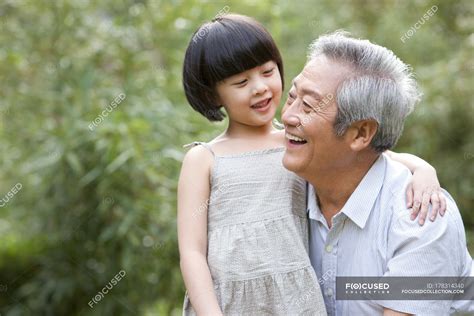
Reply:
x=361, y=134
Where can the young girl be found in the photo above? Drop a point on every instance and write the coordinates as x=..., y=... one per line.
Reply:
x=242, y=222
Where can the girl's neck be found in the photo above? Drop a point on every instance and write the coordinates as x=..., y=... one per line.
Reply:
x=236, y=130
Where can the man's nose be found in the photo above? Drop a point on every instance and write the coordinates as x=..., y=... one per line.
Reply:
x=289, y=115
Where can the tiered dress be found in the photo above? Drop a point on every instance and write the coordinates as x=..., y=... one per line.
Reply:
x=258, y=238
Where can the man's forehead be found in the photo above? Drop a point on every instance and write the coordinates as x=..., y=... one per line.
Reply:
x=306, y=87
x=310, y=78
x=323, y=71
x=312, y=71
x=321, y=65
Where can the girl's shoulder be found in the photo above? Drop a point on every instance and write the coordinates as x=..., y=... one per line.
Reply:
x=198, y=157
x=199, y=147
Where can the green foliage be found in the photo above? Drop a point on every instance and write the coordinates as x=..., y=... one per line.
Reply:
x=96, y=201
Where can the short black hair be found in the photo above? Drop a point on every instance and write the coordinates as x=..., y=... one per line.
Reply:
x=226, y=46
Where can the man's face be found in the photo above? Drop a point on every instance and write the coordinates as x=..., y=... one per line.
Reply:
x=309, y=114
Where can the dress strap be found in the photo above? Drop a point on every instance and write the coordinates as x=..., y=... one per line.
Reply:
x=205, y=145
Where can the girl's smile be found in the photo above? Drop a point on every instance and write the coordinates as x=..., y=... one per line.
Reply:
x=262, y=106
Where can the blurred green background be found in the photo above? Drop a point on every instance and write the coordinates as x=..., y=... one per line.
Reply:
x=96, y=201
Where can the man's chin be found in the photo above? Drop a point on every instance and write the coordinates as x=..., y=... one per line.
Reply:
x=290, y=163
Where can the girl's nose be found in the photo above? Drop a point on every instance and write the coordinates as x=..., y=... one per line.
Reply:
x=259, y=88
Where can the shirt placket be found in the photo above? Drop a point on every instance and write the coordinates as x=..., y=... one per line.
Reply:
x=329, y=264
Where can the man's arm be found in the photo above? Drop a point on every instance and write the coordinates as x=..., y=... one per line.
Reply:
x=435, y=249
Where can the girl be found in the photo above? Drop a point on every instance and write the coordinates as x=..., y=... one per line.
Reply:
x=242, y=223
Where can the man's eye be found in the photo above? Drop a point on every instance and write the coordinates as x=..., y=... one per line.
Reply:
x=290, y=99
x=307, y=107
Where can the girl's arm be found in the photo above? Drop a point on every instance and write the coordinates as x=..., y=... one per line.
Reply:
x=193, y=199
x=423, y=189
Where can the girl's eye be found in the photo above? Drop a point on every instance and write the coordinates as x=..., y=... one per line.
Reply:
x=268, y=72
x=240, y=82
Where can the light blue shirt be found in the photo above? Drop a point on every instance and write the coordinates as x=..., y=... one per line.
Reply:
x=373, y=235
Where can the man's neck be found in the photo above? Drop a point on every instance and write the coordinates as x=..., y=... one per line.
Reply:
x=334, y=188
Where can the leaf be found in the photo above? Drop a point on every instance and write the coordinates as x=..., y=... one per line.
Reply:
x=74, y=163
x=119, y=161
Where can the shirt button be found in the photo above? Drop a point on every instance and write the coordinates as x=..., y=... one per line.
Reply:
x=329, y=292
x=329, y=248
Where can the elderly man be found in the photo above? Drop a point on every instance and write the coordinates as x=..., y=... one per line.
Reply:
x=344, y=109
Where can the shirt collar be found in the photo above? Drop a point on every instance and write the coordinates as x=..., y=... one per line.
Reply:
x=360, y=203
x=313, y=209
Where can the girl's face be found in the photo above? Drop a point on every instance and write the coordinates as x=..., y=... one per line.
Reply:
x=252, y=97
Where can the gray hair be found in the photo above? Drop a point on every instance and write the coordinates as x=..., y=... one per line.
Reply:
x=381, y=86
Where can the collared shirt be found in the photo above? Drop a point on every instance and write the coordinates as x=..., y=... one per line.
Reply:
x=373, y=235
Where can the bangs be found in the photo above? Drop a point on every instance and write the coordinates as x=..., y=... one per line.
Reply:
x=235, y=47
